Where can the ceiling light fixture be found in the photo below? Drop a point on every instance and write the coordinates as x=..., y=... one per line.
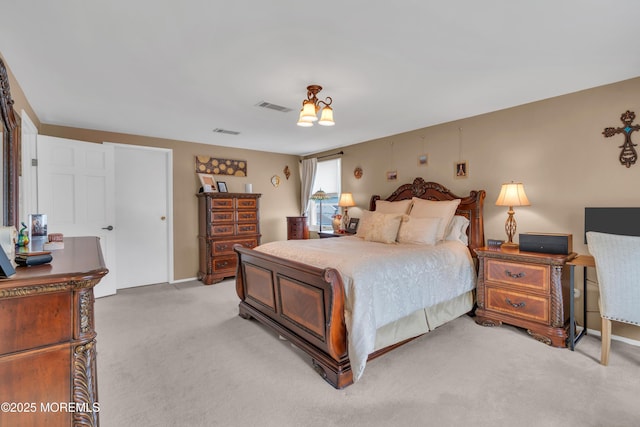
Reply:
x=312, y=105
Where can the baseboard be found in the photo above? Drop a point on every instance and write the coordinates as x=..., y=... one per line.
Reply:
x=183, y=280
x=614, y=337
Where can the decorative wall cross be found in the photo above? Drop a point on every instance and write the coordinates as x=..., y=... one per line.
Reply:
x=628, y=155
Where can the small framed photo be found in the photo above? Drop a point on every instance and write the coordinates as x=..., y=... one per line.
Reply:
x=352, y=227
x=461, y=169
x=222, y=187
x=423, y=159
x=208, y=183
x=392, y=175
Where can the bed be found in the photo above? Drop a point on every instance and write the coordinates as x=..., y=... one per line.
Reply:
x=329, y=307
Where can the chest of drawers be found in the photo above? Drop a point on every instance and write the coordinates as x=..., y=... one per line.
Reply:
x=297, y=228
x=225, y=219
x=525, y=289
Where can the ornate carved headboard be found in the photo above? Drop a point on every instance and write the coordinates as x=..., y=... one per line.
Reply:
x=471, y=206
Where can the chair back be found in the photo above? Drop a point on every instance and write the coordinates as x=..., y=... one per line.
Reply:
x=617, y=259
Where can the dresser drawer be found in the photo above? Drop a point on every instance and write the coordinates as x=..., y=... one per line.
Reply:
x=247, y=216
x=247, y=229
x=525, y=276
x=222, y=229
x=247, y=204
x=224, y=263
x=226, y=246
x=226, y=203
x=523, y=306
x=222, y=216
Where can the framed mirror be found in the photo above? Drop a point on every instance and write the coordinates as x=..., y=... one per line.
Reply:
x=10, y=135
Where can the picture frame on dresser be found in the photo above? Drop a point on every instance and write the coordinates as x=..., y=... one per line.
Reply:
x=208, y=183
x=352, y=227
x=222, y=187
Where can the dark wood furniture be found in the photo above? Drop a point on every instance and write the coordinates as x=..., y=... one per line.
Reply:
x=306, y=304
x=225, y=220
x=328, y=234
x=10, y=154
x=48, y=339
x=525, y=289
x=583, y=261
x=297, y=228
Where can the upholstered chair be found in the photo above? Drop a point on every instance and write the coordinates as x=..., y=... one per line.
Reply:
x=618, y=269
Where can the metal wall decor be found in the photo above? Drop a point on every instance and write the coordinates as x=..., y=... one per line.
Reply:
x=628, y=155
x=206, y=164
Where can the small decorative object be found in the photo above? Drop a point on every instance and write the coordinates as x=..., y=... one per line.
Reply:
x=353, y=225
x=460, y=169
x=628, y=155
x=206, y=164
x=494, y=243
x=38, y=223
x=222, y=186
x=511, y=195
x=336, y=223
x=208, y=183
x=248, y=188
x=346, y=201
x=392, y=175
x=26, y=259
x=357, y=172
x=423, y=159
x=287, y=172
x=23, y=237
x=275, y=180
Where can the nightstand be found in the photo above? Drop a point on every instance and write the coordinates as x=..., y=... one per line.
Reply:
x=525, y=289
x=327, y=234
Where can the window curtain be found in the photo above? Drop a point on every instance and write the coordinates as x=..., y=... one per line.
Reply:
x=307, y=176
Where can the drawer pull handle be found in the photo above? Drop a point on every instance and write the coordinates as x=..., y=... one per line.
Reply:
x=514, y=275
x=515, y=305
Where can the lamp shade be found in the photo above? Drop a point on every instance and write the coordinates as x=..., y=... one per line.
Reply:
x=308, y=112
x=512, y=194
x=326, y=118
x=302, y=122
x=319, y=195
x=346, y=200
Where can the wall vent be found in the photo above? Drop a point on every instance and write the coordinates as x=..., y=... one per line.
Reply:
x=226, y=132
x=264, y=104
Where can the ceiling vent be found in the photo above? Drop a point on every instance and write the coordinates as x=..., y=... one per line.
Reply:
x=264, y=104
x=226, y=132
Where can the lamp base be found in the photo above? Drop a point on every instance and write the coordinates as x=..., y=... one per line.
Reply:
x=509, y=246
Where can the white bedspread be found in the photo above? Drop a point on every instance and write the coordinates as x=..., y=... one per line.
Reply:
x=383, y=282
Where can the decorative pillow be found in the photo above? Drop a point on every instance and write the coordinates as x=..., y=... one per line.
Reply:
x=458, y=229
x=399, y=207
x=378, y=227
x=445, y=209
x=420, y=231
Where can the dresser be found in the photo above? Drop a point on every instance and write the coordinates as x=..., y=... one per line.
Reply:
x=297, y=228
x=525, y=289
x=48, y=339
x=225, y=219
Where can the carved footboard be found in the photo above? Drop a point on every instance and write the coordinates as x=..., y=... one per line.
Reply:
x=304, y=304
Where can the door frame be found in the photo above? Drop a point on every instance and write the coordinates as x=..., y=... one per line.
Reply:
x=169, y=189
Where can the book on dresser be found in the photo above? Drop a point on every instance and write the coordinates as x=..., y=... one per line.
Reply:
x=225, y=220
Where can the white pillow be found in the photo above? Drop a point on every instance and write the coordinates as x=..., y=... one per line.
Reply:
x=420, y=231
x=458, y=229
x=445, y=209
x=378, y=227
x=399, y=207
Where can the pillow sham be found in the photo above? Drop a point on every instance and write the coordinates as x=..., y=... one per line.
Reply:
x=458, y=229
x=419, y=231
x=399, y=207
x=378, y=227
x=444, y=209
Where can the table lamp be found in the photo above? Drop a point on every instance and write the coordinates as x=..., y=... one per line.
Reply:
x=319, y=195
x=511, y=195
x=346, y=201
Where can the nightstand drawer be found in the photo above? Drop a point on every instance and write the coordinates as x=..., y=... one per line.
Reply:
x=523, y=306
x=528, y=276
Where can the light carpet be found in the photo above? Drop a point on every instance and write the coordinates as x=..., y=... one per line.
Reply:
x=179, y=355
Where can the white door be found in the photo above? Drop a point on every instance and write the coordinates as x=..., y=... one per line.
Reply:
x=76, y=192
x=143, y=211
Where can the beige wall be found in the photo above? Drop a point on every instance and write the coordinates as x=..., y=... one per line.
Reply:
x=555, y=147
x=275, y=203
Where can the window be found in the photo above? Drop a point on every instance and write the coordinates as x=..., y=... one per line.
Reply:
x=328, y=178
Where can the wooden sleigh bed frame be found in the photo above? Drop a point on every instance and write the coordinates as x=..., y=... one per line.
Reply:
x=305, y=304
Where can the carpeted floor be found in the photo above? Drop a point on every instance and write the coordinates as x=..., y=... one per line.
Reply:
x=179, y=355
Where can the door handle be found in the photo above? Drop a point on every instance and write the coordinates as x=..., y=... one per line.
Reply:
x=108, y=228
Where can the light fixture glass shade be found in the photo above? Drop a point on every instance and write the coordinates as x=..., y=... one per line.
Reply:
x=512, y=194
x=308, y=112
x=302, y=122
x=346, y=200
x=326, y=119
x=319, y=195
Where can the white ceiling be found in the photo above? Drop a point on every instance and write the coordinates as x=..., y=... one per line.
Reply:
x=179, y=69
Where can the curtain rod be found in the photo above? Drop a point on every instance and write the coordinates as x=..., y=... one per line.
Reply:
x=339, y=153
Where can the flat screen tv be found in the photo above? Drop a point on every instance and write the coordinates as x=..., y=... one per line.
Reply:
x=612, y=220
